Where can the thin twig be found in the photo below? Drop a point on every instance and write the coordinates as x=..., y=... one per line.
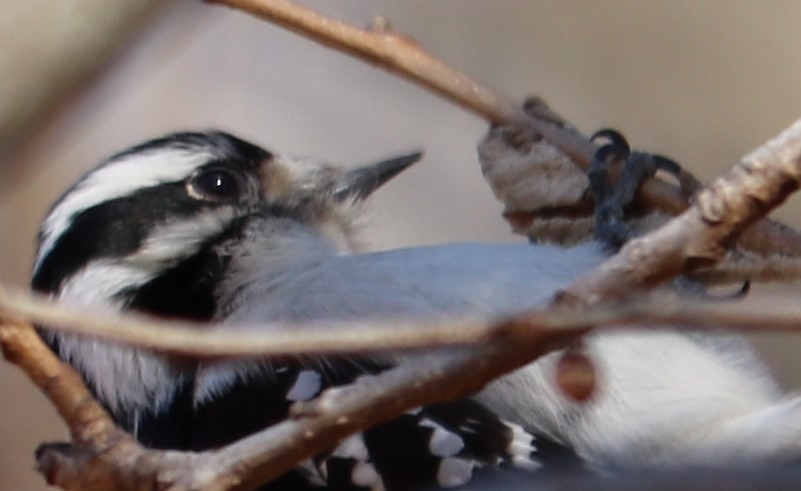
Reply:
x=400, y=55
x=389, y=51
x=202, y=340
x=86, y=418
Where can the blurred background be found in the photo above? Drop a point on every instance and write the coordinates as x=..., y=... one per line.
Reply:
x=701, y=82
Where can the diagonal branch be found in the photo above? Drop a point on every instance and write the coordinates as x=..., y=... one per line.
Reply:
x=204, y=341
x=400, y=55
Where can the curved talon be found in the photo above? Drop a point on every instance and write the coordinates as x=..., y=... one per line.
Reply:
x=666, y=164
x=597, y=173
x=696, y=289
x=609, y=225
x=743, y=290
x=607, y=153
x=615, y=138
x=620, y=144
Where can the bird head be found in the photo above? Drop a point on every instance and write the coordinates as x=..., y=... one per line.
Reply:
x=154, y=228
x=170, y=212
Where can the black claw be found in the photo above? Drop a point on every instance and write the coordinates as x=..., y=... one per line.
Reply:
x=611, y=202
x=667, y=165
x=615, y=139
x=610, y=228
x=696, y=289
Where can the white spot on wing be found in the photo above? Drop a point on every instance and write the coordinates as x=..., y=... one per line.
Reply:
x=443, y=443
x=468, y=429
x=315, y=476
x=365, y=475
x=352, y=447
x=521, y=448
x=454, y=472
x=306, y=386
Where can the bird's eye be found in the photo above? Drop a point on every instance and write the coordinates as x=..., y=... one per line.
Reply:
x=216, y=185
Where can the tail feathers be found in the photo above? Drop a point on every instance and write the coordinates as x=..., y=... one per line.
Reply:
x=441, y=445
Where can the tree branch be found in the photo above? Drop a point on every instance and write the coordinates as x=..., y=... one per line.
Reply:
x=402, y=56
x=203, y=341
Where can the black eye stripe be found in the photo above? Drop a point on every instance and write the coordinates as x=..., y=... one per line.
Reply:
x=112, y=229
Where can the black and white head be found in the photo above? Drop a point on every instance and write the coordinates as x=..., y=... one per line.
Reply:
x=154, y=229
x=178, y=227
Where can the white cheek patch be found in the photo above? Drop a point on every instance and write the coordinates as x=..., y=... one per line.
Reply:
x=107, y=278
x=128, y=380
x=126, y=377
x=118, y=179
x=182, y=237
x=167, y=243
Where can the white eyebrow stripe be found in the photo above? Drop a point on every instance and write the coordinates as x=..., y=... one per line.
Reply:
x=117, y=179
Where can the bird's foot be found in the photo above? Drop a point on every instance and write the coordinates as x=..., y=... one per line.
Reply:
x=612, y=201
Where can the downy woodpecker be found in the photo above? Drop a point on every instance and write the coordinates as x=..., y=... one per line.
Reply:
x=206, y=226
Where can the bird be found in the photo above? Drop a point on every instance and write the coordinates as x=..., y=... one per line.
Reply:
x=205, y=226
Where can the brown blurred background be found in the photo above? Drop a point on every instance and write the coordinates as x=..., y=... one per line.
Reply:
x=701, y=82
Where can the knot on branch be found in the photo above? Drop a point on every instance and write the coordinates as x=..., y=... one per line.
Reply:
x=70, y=467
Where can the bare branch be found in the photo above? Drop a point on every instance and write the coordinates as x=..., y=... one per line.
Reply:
x=204, y=341
x=400, y=55
x=390, y=51
x=88, y=422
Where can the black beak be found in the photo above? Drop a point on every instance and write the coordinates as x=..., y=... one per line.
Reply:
x=359, y=183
